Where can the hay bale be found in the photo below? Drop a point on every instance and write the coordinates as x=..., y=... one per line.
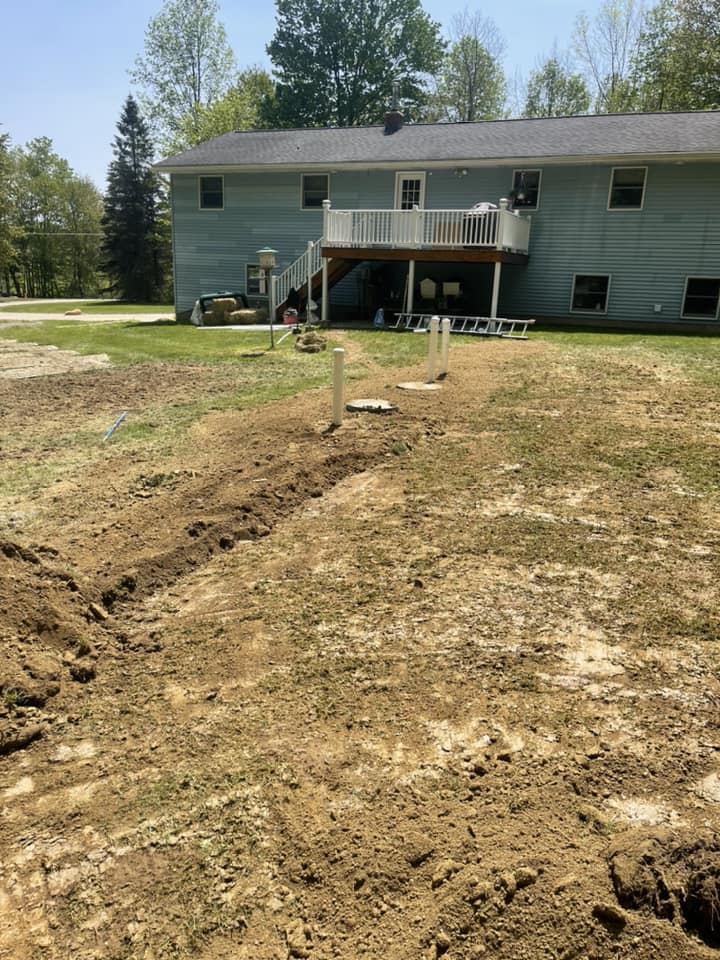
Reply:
x=73, y=313
x=208, y=318
x=223, y=305
x=248, y=316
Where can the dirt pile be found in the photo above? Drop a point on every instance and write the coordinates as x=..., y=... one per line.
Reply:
x=50, y=631
x=674, y=876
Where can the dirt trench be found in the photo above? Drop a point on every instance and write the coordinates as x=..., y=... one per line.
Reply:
x=405, y=689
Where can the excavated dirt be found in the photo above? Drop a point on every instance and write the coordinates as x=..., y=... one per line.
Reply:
x=441, y=683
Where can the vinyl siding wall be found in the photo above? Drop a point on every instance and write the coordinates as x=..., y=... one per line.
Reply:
x=648, y=253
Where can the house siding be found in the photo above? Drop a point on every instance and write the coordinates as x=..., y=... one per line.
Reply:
x=648, y=253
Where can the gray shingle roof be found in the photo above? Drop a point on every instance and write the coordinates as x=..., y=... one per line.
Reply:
x=642, y=135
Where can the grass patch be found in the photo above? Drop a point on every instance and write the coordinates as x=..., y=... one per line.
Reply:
x=697, y=355
x=130, y=342
x=87, y=306
x=396, y=349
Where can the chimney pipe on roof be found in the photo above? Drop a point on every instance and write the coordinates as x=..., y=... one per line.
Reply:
x=393, y=118
x=393, y=121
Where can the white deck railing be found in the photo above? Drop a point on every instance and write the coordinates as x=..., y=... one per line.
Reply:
x=493, y=229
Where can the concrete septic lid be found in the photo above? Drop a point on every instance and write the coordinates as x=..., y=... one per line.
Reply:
x=418, y=385
x=370, y=406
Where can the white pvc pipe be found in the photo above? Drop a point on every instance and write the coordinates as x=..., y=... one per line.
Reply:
x=444, y=346
x=432, y=349
x=338, y=385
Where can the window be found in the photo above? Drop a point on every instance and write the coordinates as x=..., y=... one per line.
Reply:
x=255, y=281
x=590, y=293
x=211, y=193
x=525, y=189
x=315, y=189
x=627, y=188
x=701, y=297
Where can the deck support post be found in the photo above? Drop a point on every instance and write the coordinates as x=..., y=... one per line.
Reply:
x=411, y=286
x=325, y=306
x=495, y=290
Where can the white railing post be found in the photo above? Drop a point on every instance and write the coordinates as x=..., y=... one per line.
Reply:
x=326, y=211
x=417, y=226
x=432, y=349
x=338, y=385
x=273, y=306
x=502, y=213
x=309, y=281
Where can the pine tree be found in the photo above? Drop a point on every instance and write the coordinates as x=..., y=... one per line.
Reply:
x=135, y=247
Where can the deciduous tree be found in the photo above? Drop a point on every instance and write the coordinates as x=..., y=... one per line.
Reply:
x=9, y=230
x=335, y=62
x=607, y=46
x=553, y=90
x=187, y=65
x=136, y=253
x=472, y=84
x=245, y=106
x=677, y=66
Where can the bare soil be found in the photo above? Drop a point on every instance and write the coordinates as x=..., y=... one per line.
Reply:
x=437, y=683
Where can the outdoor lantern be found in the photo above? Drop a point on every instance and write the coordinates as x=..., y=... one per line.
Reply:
x=266, y=258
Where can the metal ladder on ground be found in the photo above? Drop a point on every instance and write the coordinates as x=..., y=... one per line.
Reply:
x=481, y=326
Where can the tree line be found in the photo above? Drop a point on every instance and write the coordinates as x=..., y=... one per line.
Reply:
x=60, y=237
x=333, y=64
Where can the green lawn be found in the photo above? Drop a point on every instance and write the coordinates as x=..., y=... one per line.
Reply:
x=88, y=306
x=699, y=355
x=132, y=342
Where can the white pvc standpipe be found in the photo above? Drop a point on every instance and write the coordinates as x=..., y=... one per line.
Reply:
x=338, y=385
x=432, y=349
x=444, y=346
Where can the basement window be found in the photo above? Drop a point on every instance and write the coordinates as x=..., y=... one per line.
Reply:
x=212, y=193
x=627, y=188
x=255, y=281
x=702, y=295
x=590, y=293
x=525, y=192
x=314, y=189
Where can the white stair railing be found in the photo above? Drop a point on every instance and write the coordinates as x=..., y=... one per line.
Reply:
x=297, y=273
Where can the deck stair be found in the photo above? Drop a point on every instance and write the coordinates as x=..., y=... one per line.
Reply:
x=482, y=326
x=296, y=275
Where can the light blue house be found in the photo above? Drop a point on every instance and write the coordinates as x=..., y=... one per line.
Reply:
x=612, y=219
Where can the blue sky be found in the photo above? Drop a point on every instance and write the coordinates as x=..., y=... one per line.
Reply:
x=64, y=65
